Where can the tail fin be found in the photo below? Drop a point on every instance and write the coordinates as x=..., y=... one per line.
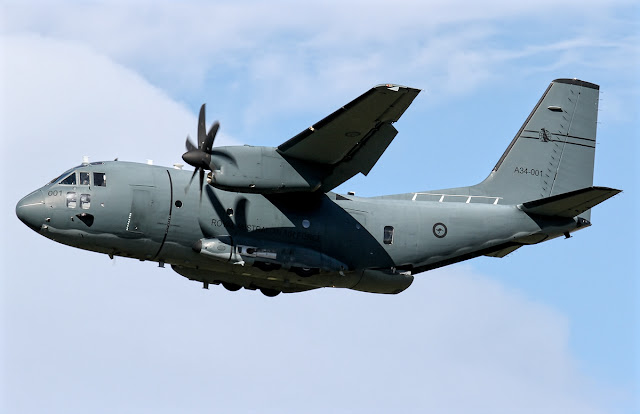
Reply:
x=554, y=150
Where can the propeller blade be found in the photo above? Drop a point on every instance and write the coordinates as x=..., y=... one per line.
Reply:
x=201, y=182
x=189, y=144
x=190, y=181
x=241, y=213
x=202, y=127
x=211, y=136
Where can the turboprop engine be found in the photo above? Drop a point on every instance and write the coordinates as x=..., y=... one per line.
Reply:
x=246, y=169
x=263, y=170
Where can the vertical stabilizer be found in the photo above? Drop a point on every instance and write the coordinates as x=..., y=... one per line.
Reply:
x=553, y=152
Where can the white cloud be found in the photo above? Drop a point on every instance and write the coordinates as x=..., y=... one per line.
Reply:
x=294, y=51
x=131, y=335
x=63, y=100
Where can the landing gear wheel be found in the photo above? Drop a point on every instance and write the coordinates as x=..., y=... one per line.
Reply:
x=231, y=286
x=269, y=292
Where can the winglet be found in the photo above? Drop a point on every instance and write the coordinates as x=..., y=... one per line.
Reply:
x=569, y=204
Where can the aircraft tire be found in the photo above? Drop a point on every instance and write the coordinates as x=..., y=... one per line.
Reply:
x=231, y=286
x=269, y=292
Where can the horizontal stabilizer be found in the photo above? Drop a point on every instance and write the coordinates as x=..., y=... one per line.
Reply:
x=569, y=204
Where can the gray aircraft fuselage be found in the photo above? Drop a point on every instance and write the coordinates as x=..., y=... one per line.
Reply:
x=143, y=212
x=279, y=239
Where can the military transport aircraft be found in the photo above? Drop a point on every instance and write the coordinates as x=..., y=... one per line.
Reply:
x=266, y=218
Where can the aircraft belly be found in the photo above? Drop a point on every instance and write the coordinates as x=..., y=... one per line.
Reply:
x=246, y=281
x=212, y=271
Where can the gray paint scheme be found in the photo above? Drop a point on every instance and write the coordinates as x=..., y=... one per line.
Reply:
x=296, y=236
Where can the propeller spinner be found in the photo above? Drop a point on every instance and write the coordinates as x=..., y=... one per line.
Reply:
x=200, y=156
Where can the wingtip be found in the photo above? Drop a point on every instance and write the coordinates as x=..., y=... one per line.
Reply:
x=395, y=87
x=610, y=189
x=578, y=82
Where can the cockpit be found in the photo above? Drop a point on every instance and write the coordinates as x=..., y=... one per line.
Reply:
x=75, y=188
x=76, y=176
x=83, y=178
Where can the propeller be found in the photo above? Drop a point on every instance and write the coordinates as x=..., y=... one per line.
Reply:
x=200, y=156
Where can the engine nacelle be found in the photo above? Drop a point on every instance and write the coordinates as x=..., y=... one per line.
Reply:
x=382, y=281
x=261, y=170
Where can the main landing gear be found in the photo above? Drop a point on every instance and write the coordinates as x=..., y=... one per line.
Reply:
x=265, y=291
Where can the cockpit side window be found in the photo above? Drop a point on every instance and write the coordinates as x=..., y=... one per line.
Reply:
x=70, y=179
x=99, y=179
x=84, y=178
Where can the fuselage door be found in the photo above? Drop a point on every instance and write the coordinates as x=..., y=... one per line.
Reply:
x=141, y=206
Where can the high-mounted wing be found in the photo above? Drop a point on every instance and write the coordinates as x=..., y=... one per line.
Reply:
x=352, y=139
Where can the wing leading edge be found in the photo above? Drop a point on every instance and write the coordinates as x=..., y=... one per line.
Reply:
x=352, y=139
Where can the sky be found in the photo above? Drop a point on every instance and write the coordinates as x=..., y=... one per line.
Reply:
x=550, y=328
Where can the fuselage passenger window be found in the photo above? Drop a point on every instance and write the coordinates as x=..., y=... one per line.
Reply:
x=84, y=178
x=388, y=235
x=85, y=201
x=71, y=200
x=99, y=179
x=70, y=179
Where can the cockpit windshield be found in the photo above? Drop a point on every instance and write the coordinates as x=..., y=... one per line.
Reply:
x=61, y=176
x=69, y=179
x=73, y=177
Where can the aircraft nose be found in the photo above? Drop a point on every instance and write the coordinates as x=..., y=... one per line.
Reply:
x=30, y=210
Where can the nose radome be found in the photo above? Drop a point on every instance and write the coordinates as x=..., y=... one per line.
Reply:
x=30, y=210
